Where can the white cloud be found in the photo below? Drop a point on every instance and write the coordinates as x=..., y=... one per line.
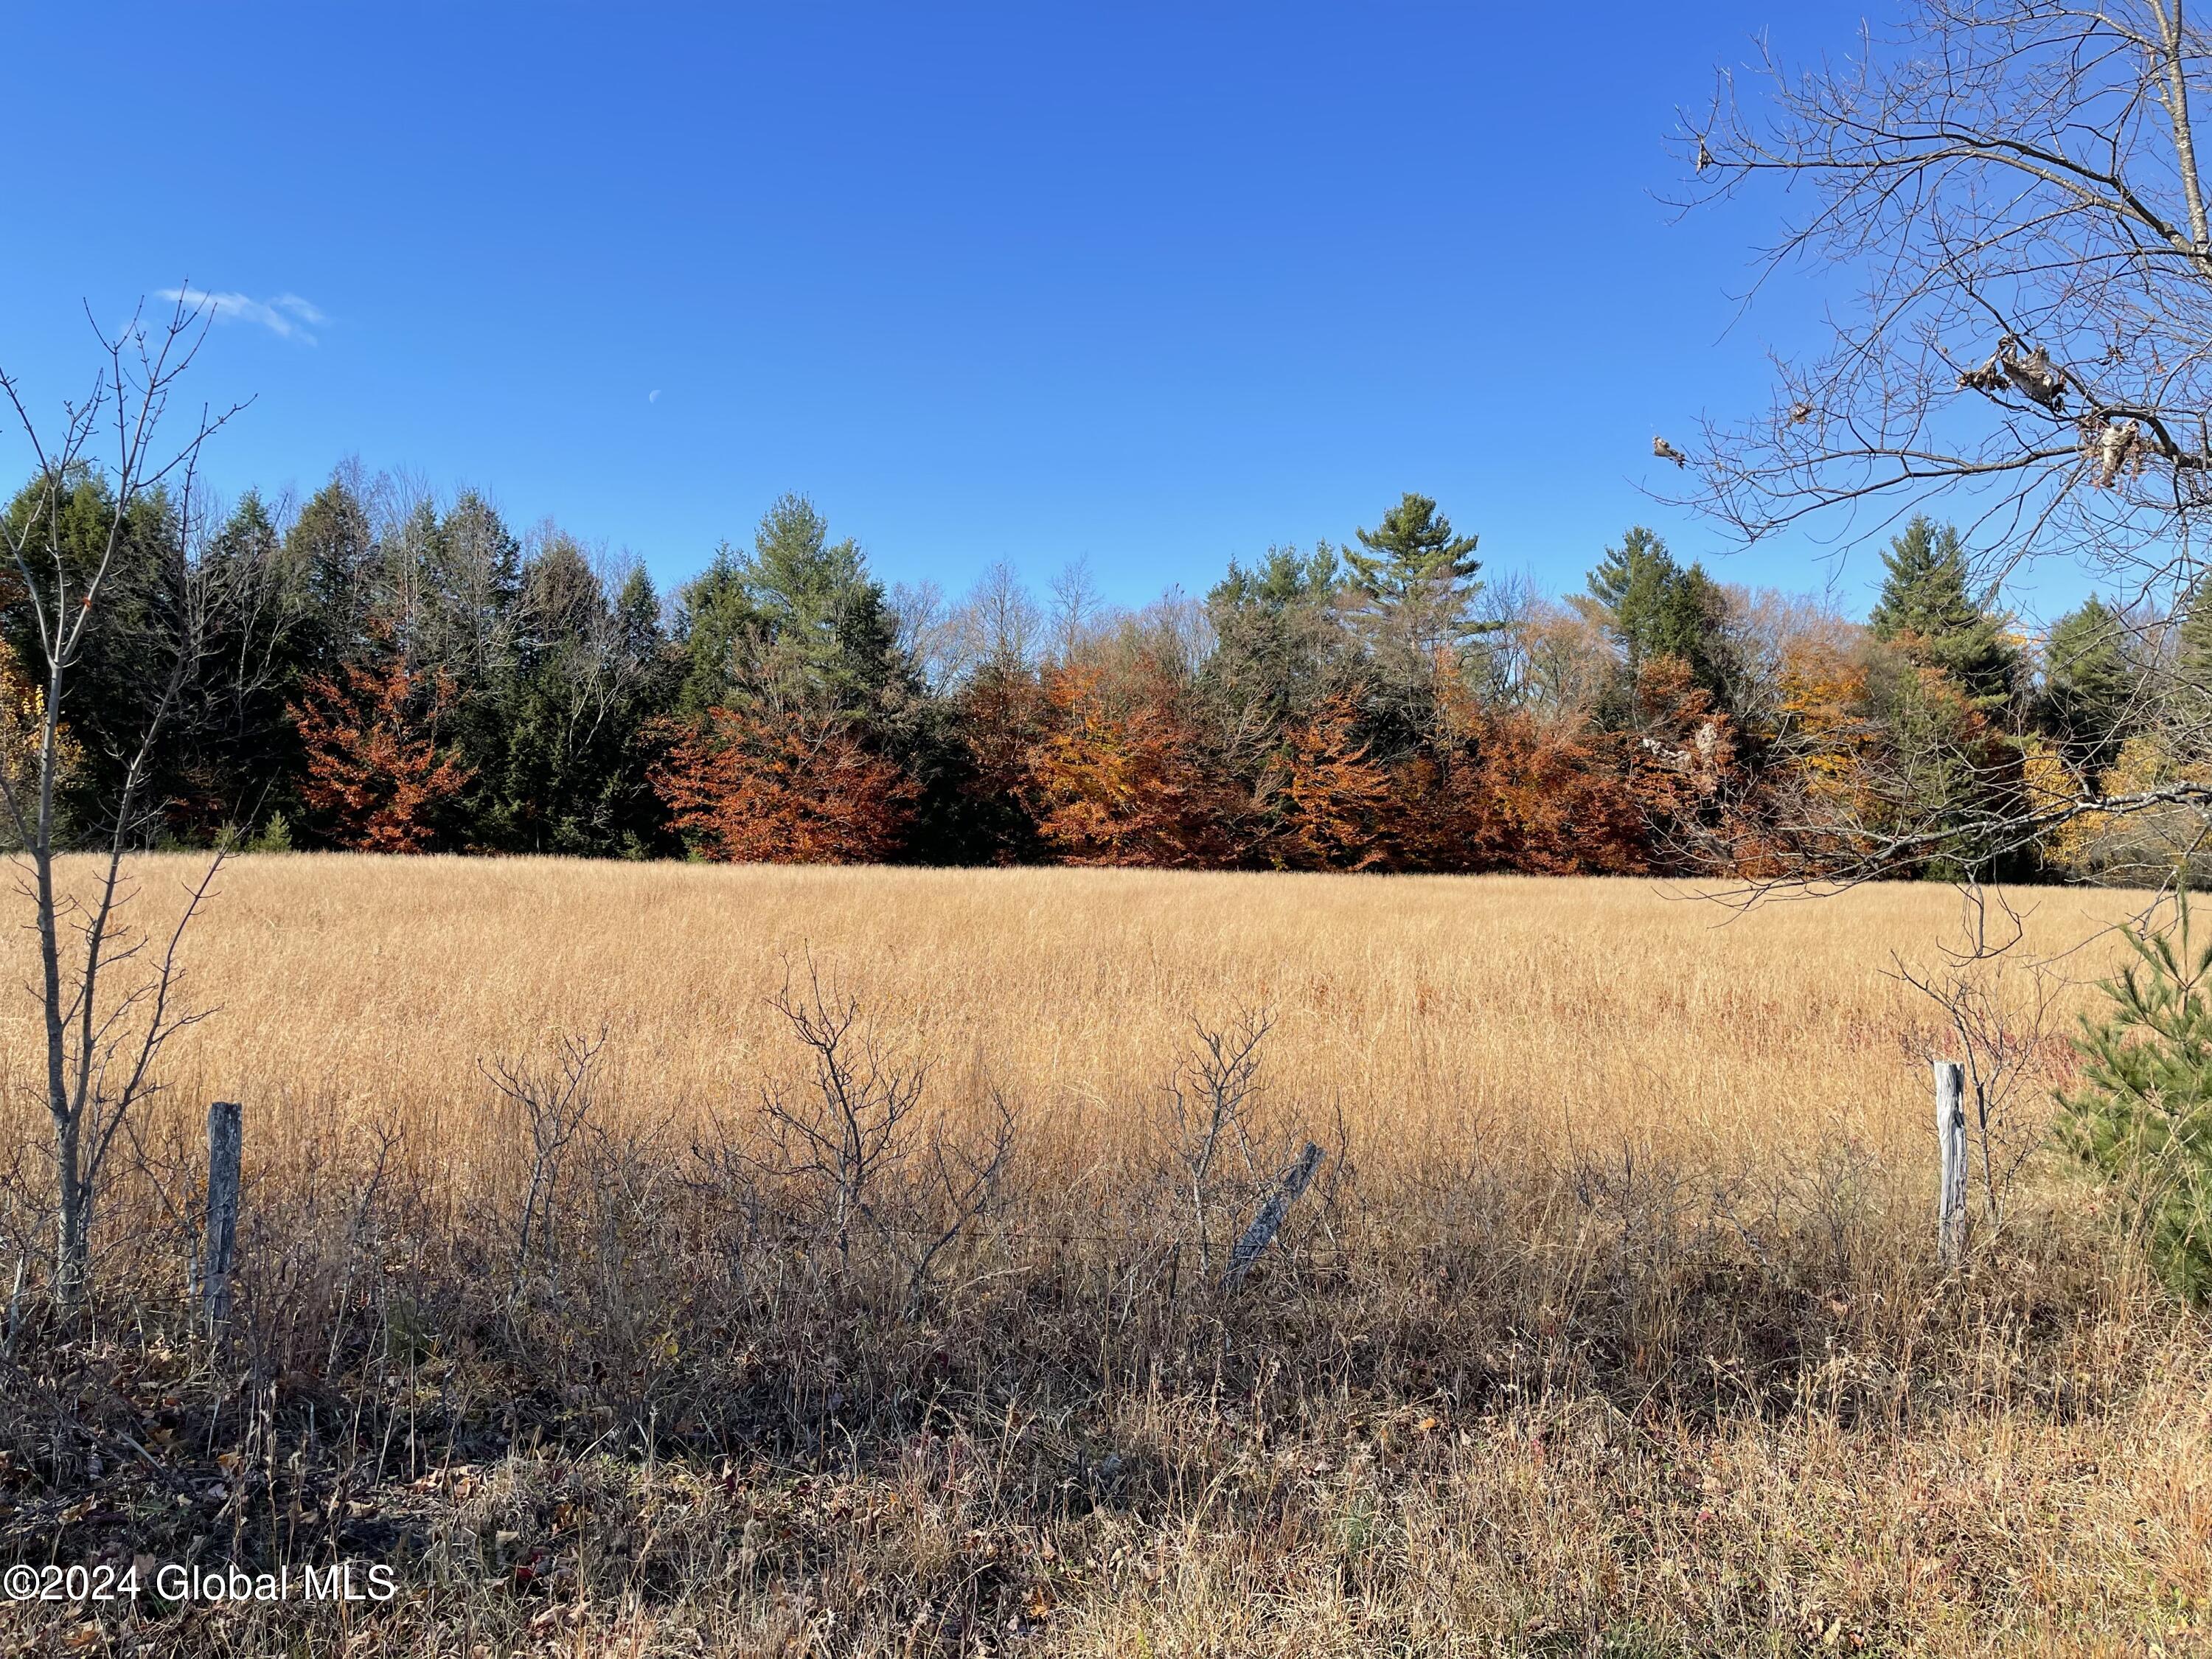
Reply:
x=285, y=315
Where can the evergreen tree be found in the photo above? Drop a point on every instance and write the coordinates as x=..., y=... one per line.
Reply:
x=142, y=620
x=2142, y=1115
x=1938, y=701
x=795, y=643
x=1654, y=608
x=333, y=552
x=2193, y=650
x=567, y=771
x=1927, y=611
x=1280, y=647
x=236, y=750
x=714, y=617
x=1418, y=576
x=825, y=616
x=799, y=614
x=2093, y=686
x=472, y=578
x=407, y=561
x=637, y=620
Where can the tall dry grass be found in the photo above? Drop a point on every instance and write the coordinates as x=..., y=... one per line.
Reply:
x=1613, y=1324
x=1545, y=1013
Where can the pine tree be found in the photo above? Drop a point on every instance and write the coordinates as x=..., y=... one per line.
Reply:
x=2093, y=686
x=1413, y=546
x=332, y=550
x=637, y=618
x=565, y=772
x=1926, y=609
x=141, y=622
x=1418, y=576
x=1654, y=608
x=1281, y=646
x=826, y=618
x=2193, y=650
x=235, y=750
x=714, y=619
x=473, y=576
x=795, y=686
x=798, y=610
x=2141, y=1116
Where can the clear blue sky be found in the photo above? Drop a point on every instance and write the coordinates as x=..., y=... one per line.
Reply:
x=1158, y=285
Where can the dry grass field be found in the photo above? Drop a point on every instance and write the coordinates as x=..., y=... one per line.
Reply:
x=1434, y=1011
x=1610, y=1325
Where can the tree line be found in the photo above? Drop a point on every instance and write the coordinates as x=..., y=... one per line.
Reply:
x=377, y=669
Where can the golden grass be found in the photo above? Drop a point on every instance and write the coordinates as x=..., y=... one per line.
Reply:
x=1622, y=1334
x=1505, y=1009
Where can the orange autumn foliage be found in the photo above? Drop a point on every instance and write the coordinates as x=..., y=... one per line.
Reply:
x=373, y=766
x=1550, y=799
x=784, y=786
x=1683, y=770
x=1332, y=801
x=1001, y=715
x=1685, y=747
x=1117, y=779
x=1501, y=789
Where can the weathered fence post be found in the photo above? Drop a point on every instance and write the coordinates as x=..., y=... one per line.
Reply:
x=1951, y=1140
x=226, y=1137
x=1269, y=1221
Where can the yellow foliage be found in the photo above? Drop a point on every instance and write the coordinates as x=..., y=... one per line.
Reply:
x=22, y=733
x=2144, y=763
x=2048, y=782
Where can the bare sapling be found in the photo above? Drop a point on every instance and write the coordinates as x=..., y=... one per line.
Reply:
x=868, y=1167
x=105, y=1023
x=2000, y=1006
x=962, y=1181
x=1226, y=1159
x=555, y=1101
x=841, y=1137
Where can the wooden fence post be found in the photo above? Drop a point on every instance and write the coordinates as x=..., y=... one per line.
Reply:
x=226, y=1137
x=1951, y=1140
x=1269, y=1221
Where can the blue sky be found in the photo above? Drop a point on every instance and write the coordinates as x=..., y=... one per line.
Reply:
x=1155, y=285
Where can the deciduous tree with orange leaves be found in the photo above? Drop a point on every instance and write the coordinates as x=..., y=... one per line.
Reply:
x=1000, y=714
x=1547, y=799
x=1507, y=789
x=783, y=784
x=1819, y=756
x=1118, y=778
x=1331, y=801
x=373, y=766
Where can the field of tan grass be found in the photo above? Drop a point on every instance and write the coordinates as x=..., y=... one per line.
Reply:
x=1612, y=1325
x=1501, y=1010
